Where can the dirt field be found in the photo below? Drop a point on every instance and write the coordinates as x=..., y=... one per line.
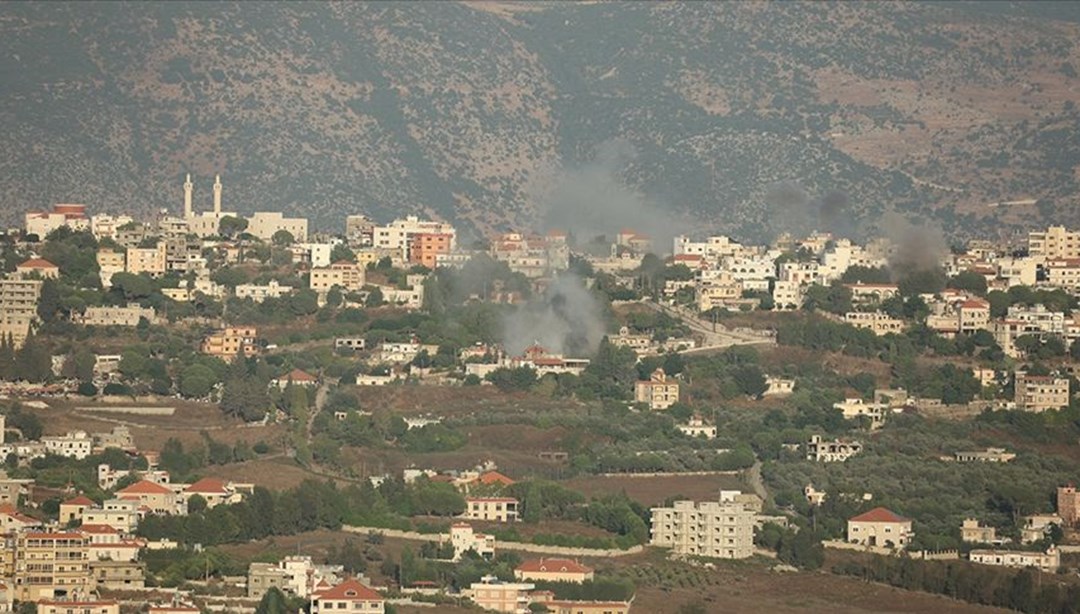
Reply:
x=654, y=490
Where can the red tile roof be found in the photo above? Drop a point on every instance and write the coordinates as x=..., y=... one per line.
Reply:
x=144, y=487
x=553, y=565
x=210, y=486
x=494, y=477
x=880, y=514
x=349, y=590
x=102, y=529
x=297, y=375
x=80, y=500
x=37, y=263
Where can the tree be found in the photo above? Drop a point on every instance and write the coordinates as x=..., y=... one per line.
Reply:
x=230, y=226
x=341, y=252
x=33, y=363
x=969, y=281
x=273, y=602
x=374, y=298
x=282, y=238
x=245, y=397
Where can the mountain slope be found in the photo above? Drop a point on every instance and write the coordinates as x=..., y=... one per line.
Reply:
x=749, y=118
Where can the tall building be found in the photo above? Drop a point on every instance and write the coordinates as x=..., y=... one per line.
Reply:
x=1041, y=393
x=658, y=392
x=1068, y=505
x=51, y=565
x=226, y=343
x=204, y=224
x=265, y=224
x=18, y=308
x=707, y=528
x=1054, y=243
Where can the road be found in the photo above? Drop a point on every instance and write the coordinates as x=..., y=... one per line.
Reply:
x=714, y=335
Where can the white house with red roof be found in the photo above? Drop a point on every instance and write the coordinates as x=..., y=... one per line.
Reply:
x=880, y=528
x=73, y=509
x=553, y=570
x=156, y=498
x=349, y=596
x=108, y=544
x=12, y=520
x=40, y=267
x=214, y=491
x=297, y=377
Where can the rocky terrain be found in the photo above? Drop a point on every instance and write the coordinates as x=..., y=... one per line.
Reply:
x=748, y=118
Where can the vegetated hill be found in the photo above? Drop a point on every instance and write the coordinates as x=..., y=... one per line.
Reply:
x=750, y=118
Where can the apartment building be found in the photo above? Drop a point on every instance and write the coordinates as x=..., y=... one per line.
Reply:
x=989, y=455
x=1063, y=273
x=51, y=565
x=259, y=293
x=707, y=528
x=1054, y=243
x=214, y=491
x=494, y=595
x=1048, y=561
x=229, y=342
x=1041, y=393
x=658, y=392
x=152, y=261
x=78, y=606
x=298, y=575
x=76, y=444
x=18, y=308
x=855, y=409
x=497, y=509
x=425, y=247
x=397, y=234
x=108, y=477
x=349, y=276
x=880, y=527
x=41, y=223
x=828, y=451
x=120, y=514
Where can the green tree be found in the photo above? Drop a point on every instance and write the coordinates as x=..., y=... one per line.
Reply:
x=273, y=602
x=282, y=238
x=230, y=226
x=342, y=253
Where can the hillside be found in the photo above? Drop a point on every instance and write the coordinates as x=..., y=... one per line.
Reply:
x=748, y=118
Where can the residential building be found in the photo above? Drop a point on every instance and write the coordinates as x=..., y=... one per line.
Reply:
x=1068, y=505
x=349, y=276
x=349, y=596
x=77, y=606
x=1037, y=526
x=265, y=224
x=497, y=596
x=297, y=575
x=778, y=386
x=398, y=234
x=228, y=342
x=120, y=514
x=259, y=293
x=37, y=268
x=697, y=427
x=72, y=509
x=296, y=377
x=875, y=321
x=971, y=532
x=1054, y=243
x=1048, y=561
x=108, y=477
x=351, y=343
x=13, y=521
x=425, y=247
x=463, y=539
x=359, y=230
x=117, y=574
x=42, y=223
x=658, y=392
x=105, y=226
x=156, y=498
x=814, y=496
x=18, y=308
x=836, y=450
x=77, y=445
x=497, y=509
x=880, y=527
x=214, y=491
x=1041, y=393
x=51, y=565
x=553, y=570
x=872, y=295
x=989, y=455
x=110, y=261
x=855, y=409
x=707, y=528
x=12, y=489
x=787, y=295
x=129, y=316
x=149, y=260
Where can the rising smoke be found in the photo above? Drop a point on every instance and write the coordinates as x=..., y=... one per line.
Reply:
x=567, y=320
x=915, y=247
x=792, y=209
x=593, y=199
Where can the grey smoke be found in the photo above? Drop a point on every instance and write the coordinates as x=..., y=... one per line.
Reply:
x=915, y=247
x=593, y=199
x=792, y=209
x=566, y=320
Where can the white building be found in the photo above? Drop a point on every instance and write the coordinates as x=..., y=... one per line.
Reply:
x=260, y=293
x=708, y=528
x=822, y=451
x=1049, y=561
x=77, y=445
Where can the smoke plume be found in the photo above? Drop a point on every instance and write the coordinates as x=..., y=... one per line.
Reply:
x=594, y=200
x=567, y=320
x=792, y=209
x=915, y=247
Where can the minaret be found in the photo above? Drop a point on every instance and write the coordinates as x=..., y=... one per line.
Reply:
x=187, y=198
x=217, y=195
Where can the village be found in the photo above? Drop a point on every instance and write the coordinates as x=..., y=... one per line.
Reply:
x=146, y=364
